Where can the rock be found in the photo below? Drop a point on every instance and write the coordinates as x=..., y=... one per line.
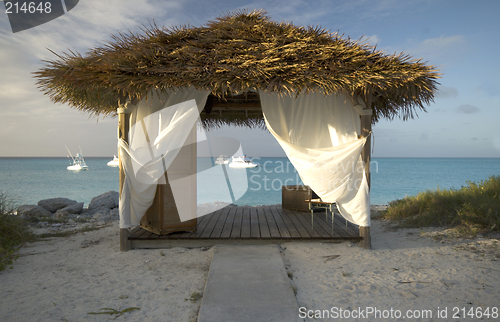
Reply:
x=74, y=209
x=102, y=210
x=60, y=214
x=33, y=211
x=114, y=214
x=108, y=200
x=54, y=204
x=108, y=215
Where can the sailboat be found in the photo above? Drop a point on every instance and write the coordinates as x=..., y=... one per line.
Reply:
x=115, y=162
x=78, y=162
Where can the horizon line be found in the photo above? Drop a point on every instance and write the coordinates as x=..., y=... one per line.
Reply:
x=285, y=157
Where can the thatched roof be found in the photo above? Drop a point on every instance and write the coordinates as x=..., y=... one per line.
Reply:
x=235, y=54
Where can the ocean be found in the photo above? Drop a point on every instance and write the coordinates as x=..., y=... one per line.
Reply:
x=29, y=180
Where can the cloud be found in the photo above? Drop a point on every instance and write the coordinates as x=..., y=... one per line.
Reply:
x=447, y=92
x=467, y=109
x=339, y=14
x=424, y=136
x=444, y=43
x=25, y=110
x=441, y=50
x=474, y=138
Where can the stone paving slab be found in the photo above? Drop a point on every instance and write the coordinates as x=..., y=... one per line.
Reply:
x=248, y=283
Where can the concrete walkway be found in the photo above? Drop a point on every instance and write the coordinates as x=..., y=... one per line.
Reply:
x=248, y=283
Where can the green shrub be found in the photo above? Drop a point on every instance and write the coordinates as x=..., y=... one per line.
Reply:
x=471, y=209
x=13, y=232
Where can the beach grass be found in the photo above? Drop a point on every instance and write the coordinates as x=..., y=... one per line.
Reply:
x=68, y=233
x=14, y=231
x=472, y=209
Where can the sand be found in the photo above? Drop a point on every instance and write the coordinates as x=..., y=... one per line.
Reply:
x=65, y=278
x=406, y=270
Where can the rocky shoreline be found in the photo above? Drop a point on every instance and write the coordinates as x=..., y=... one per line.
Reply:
x=55, y=215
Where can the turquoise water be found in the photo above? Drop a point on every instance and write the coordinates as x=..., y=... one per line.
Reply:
x=32, y=179
x=396, y=178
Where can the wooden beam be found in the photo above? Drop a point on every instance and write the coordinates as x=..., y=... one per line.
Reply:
x=123, y=129
x=228, y=106
x=366, y=128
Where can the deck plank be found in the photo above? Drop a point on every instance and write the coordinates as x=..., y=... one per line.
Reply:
x=136, y=231
x=236, y=232
x=263, y=226
x=321, y=226
x=202, y=222
x=352, y=229
x=245, y=223
x=228, y=224
x=146, y=234
x=340, y=226
x=219, y=225
x=305, y=219
x=214, y=217
x=254, y=223
x=325, y=225
x=285, y=233
x=271, y=223
x=304, y=233
x=294, y=233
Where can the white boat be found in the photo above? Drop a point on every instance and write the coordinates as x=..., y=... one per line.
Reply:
x=242, y=162
x=222, y=159
x=115, y=162
x=78, y=162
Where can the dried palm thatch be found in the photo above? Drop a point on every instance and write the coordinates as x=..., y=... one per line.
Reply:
x=239, y=52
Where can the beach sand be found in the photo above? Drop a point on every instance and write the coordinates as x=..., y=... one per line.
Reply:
x=406, y=270
x=65, y=278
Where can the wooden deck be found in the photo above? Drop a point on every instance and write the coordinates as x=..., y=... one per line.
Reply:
x=254, y=224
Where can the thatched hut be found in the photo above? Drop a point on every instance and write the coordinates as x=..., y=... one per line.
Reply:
x=235, y=61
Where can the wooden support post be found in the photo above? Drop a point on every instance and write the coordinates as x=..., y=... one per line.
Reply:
x=123, y=129
x=366, y=127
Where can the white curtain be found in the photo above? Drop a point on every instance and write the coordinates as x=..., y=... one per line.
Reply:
x=319, y=134
x=159, y=127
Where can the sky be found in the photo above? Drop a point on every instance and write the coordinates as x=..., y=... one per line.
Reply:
x=460, y=37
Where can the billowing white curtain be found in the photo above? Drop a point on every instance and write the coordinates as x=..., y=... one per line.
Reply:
x=159, y=127
x=319, y=134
